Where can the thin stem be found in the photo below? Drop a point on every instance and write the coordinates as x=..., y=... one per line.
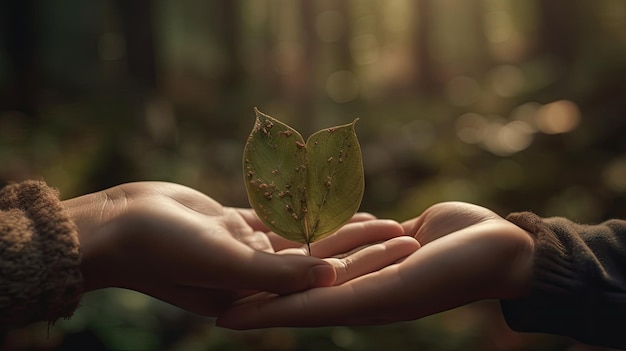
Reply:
x=308, y=246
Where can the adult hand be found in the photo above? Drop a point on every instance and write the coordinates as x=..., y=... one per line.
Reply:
x=180, y=246
x=468, y=253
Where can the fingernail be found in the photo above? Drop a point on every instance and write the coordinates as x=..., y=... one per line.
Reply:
x=321, y=275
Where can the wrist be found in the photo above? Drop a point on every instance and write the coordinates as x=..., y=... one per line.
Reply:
x=519, y=277
x=96, y=232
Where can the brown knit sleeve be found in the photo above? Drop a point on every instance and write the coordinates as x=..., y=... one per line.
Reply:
x=40, y=276
x=579, y=281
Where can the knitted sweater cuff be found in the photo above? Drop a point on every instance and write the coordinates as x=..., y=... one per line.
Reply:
x=39, y=256
x=566, y=295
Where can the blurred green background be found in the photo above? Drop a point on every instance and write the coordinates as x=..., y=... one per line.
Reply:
x=513, y=105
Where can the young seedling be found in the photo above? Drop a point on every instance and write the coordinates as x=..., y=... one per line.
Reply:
x=303, y=191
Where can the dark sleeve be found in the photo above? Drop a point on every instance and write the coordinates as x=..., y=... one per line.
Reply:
x=579, y=283
x=40, y=276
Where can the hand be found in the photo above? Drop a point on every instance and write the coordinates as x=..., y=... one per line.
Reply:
x=468, y=253
x=180, y=246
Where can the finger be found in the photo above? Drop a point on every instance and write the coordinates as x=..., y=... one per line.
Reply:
x=336, y=305
x=280, y=274
x=411, y=226
x=279, y=243
x=361, y=217
x=447, y=273
x=373, y=258
x=355, y=235
x=331, y=305
x=349, y=238
x=444, y=218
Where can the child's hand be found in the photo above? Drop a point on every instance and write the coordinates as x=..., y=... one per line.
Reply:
x=468, y=253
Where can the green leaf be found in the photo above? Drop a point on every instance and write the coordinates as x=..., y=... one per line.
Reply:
x=303, y=191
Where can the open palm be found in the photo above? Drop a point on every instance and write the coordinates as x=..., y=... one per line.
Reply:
x=468, y=253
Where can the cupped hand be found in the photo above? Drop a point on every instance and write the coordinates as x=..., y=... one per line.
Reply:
x=468, y=253
x=180, y=246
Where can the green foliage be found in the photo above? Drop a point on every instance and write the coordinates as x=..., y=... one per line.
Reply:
x=303, y=191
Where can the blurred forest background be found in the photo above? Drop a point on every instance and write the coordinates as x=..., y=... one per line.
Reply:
x=511, y=104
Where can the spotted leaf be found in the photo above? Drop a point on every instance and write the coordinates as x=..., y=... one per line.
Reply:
x=303, y=191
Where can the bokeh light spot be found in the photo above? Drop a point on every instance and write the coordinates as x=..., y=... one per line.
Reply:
x=561, y=116
x=527, y=113
x=504, y=139
x=471, y=128
x=516, y=136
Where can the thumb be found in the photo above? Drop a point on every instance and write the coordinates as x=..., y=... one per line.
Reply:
x=284, y=274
